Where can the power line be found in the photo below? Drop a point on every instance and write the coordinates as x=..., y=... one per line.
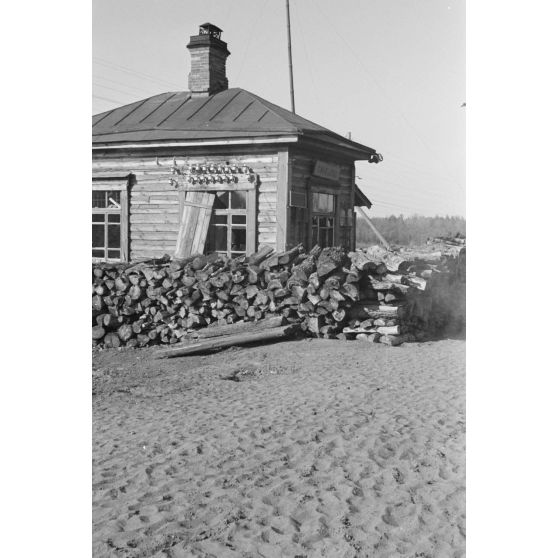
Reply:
x=419, y=169
x=410, y=186
x=308, y=65
x=113, y=89
x=107, y=99
x=127, y=70
x=376, y=82
x=116, y=82
x=252, y=26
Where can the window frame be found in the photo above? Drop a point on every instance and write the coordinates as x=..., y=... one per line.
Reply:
x=229, y=213
x=120, y=184
x=317, y=214
x=251, y=213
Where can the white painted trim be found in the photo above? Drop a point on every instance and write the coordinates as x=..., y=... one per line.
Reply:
x=120, y=185
x=285, y=139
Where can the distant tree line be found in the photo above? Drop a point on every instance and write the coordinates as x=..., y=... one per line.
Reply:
x=408, y=231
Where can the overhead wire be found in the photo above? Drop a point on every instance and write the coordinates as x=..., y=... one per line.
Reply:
x=114, y=89
x=253, y=26
x=131, y=71
x=107, y=99
x=308, y=65
x=121, y=83
x=377, y=83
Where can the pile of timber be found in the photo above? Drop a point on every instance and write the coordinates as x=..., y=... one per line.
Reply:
x=406, y=296
x=374, y=294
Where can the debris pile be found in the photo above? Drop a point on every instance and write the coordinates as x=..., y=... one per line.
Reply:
x=371, y=294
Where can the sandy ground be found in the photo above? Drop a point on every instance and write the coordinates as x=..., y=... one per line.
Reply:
x=304, y=448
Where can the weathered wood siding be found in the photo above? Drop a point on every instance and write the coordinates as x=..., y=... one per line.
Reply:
x=302, y=166
x=155, y=204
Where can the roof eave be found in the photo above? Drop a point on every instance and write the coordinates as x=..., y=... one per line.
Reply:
x=292, y=138
x=355, y=150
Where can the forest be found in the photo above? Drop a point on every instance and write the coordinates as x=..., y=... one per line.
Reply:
x=408, y=231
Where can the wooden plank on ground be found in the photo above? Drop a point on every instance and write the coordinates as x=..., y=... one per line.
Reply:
x=228, y=341
x=237, y=328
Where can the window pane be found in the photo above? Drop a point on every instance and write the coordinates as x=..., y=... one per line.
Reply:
x=322, y=221
x=323, y=238
x=98, y=217
x=113, y=198
x=221, y=219
x=220, y=239
x=238, y=219
x=114, y=254
x=98, y=235
x=314, y=236
x=98, y=254
x=99, y=199
x=114, y=218
x=330, y=221
x=329, y=238
x=315, y=204
x=114, y=236
x=221, y=200
x=238, y=200
x=238, y=239
x=322, y=203
x=314, y=221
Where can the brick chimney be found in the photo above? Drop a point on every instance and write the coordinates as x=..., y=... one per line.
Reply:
x=208, y=73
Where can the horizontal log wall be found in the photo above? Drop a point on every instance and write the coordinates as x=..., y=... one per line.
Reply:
x=155, y=204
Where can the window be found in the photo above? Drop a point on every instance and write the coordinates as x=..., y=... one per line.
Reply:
x=107, y=225
x=346, y=219
x=323, y=219
x=228, y=226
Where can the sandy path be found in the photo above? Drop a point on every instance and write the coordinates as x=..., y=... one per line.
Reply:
x=338, y=449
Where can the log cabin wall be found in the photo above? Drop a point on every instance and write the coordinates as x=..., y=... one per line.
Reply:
x=155, y=205
x=303, y=182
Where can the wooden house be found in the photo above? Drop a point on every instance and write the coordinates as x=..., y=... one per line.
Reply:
x=218, y=170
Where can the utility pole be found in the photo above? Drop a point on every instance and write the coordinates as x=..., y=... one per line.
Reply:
x=290, y=57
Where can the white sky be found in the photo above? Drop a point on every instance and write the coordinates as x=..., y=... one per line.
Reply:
x=390, y=71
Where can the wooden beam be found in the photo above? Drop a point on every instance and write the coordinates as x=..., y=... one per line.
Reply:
x=228, y=341
x=237, y=328
x=281, y=199
x=371, y=225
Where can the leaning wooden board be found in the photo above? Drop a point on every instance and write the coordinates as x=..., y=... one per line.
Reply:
x=194, y=224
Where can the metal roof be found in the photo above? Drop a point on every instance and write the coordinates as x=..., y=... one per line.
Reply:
x=233, y=113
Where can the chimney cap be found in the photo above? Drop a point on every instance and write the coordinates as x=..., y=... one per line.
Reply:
x=210, y=29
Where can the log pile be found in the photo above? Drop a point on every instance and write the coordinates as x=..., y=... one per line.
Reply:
x=373, y=294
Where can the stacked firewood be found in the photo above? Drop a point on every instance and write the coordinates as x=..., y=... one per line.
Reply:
x=400, y=296
x=326, y=293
